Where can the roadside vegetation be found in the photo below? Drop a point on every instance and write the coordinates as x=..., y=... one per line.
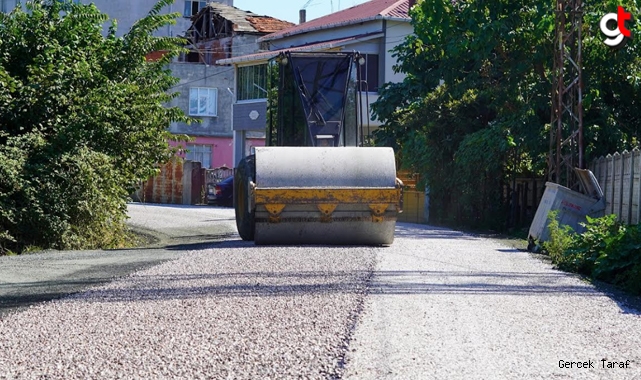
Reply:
x=82, y=121
x=473, y=112
x=607, y=251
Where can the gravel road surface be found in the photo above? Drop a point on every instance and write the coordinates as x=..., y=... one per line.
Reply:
x=438, y=304
x=172, y=230
x=446, y=305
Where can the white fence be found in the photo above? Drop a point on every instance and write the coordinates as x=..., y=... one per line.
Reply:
x=619, y=176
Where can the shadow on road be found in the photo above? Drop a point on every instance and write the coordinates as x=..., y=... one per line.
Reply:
x=14, y=296
x=275, y=284
x=94, y=268
x=18, y=294
x=409, y=231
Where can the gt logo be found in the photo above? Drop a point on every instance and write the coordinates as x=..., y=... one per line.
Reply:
x=615, y=36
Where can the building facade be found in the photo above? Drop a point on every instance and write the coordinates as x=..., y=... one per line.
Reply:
x=373, y=29
x=207, y=90
x=215, y=30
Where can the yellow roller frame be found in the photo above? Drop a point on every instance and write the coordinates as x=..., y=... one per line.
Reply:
x=326, y=200
x=316, y=196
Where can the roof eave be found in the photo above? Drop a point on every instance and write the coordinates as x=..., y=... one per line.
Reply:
x=239, y=61
x=335, y=25
x=321, y=27
x=244, y=60
x=400, y=19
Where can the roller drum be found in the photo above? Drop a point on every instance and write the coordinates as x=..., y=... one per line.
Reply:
x=316, y=195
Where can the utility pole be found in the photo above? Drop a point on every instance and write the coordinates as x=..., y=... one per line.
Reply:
x=566, y=127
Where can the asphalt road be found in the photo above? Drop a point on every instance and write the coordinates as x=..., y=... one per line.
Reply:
x=171, y=230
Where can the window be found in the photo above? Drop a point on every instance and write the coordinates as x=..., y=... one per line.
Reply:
x=192, y=56
x=252, y=82
x=193, y=7
x=199, y=153
x=369, y=72
x=203, y=101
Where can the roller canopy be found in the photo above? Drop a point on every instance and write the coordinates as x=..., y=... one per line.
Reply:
x=322, y=86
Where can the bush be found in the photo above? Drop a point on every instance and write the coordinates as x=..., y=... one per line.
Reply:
x=607, y=251
x=83, y=118
x=68, y=202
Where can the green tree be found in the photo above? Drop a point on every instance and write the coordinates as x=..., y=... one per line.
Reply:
x=82, y=120
x=474, y=108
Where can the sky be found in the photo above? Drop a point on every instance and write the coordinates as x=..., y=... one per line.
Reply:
x=288, y=9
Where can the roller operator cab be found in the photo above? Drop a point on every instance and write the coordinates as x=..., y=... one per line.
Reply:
x=313, y=184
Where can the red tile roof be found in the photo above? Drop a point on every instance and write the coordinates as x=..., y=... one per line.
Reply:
x=243, y=21
x=266, y=24
x=371, y=10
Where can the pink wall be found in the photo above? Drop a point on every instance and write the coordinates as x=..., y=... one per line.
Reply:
x=222, y=148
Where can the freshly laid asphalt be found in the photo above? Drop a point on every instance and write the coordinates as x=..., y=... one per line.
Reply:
x=32, y=278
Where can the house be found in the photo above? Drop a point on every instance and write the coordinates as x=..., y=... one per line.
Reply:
x=207, y=90
x=372, y=28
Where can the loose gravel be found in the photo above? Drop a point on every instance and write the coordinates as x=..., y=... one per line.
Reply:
x=232, y=312
x=446, y=305
x=437, y=304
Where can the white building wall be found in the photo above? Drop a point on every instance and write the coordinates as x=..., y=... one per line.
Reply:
x=326, y=35
x=365, y=47
x=394, y=35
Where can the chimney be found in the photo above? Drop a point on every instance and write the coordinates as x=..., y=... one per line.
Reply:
x=302, y=16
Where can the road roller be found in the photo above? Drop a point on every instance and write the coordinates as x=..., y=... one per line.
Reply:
x=314, y=182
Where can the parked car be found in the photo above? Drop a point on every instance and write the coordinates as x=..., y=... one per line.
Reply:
x=222, y=193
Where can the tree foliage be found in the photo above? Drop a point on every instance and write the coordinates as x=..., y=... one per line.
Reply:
x=82, y=120
x=474, y=109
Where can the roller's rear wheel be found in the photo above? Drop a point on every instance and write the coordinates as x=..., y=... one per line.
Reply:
x=245, y=217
